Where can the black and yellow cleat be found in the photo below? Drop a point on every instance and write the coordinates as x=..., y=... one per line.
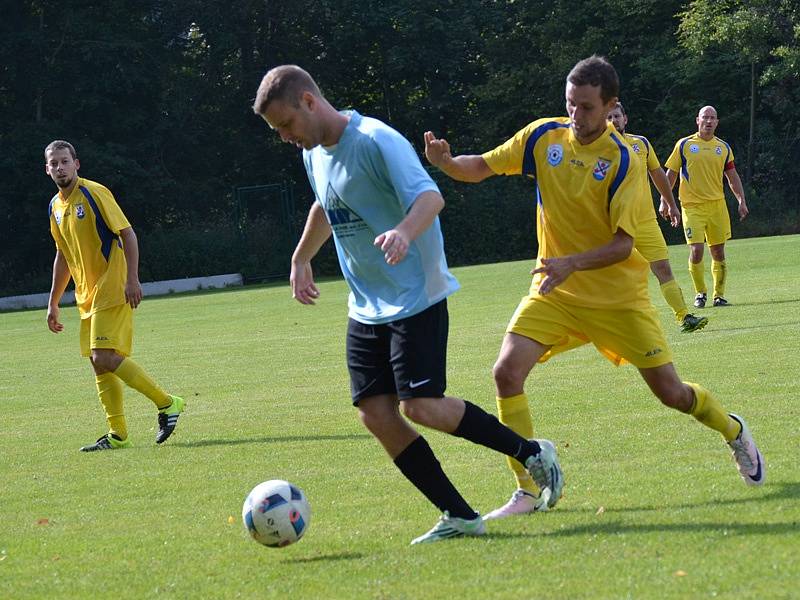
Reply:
x=691, y=323
x=107, y=442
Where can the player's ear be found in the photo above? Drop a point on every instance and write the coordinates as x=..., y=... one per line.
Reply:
x=77, y=164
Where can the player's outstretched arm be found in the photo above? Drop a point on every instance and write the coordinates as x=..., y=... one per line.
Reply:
x=130, y=245
x=735, y=183
x=61, y=277
x=395, y=242
x=466, y=167
x=315, y=233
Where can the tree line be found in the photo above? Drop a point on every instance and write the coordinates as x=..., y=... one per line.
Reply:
x=156, y=96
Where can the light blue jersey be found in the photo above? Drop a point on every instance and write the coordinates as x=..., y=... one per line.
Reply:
x=367, y=183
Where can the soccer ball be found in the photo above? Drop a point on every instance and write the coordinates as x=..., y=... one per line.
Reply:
x=276, y=513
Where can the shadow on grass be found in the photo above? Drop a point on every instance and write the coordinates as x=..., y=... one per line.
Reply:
x=791, y=528
x=777, y=491
x=754, y=327
x=278, y=439
x=760, y=302
x=326, y=558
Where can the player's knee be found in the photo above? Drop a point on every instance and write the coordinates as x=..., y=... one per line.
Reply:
x=506, y=376
x=101, y=361
x=416, y=410
x=662, y=270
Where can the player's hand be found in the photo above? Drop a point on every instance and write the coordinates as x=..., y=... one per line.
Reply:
x=437, y=151
x=52, y=319
x=670, y=212
x=743, y=211
x=304, y=290
x=133, y=292
x=556, y=271
x=393, y=244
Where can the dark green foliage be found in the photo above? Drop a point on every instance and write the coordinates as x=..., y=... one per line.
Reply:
x=156, y=96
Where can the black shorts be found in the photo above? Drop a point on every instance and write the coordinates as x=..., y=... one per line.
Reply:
x=407, y=357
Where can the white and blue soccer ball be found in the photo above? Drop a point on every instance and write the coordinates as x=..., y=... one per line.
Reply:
x=276, y=513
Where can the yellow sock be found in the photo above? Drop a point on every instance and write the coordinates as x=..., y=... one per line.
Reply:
x=710, y=413
x=109, y=390
x=134, y=376
x=674, y=296
x=719, y=272
x=697, y=271
x=515, y=413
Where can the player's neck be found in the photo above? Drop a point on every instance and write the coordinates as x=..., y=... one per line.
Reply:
x=334, y=127
x=67, y=191
x=706, y=137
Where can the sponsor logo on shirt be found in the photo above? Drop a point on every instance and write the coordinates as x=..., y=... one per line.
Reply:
x=555, y=154
x=653, y=352
x=694, y=148
x=79, y=212
x=601, y=169
x=344, y=221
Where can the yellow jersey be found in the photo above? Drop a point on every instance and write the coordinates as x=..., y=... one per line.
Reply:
x=647, y=162
x=584, y=194
x=85, y=227
x=701, y=165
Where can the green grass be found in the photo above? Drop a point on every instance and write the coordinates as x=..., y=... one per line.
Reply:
x=653, y=506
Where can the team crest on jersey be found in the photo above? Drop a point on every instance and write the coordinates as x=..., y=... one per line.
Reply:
x=636, y=147
x=79, y=212
x=694, y=148
x=718, y=151
x=57, y=215
x=555, y=154
x=601, y=168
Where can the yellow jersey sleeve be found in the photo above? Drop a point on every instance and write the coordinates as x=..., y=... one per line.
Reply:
x=515, y=156
x=107, y=205
x=674, y=161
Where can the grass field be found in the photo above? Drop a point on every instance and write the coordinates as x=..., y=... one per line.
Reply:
x=652, y=508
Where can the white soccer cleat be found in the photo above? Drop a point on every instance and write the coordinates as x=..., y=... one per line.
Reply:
x=450, y=527
x=546, y=471
x=522, y=502
x=748, y=459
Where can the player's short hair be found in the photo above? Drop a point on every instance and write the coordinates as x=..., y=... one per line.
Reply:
x=621, y=108
x=596, y=71
x=60, y=145
x=286, y=83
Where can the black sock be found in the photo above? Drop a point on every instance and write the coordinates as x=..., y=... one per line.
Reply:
x=421, y=467
x=480, y=427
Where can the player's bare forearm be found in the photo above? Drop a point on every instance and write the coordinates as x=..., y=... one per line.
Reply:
x=617, y=250
x=672, y=177
x=61, y=277
x=130, y=245
x=470, y=168
x=662, y=184
x=424, y=210
x=395, y=243
x=557, y=269
x=735, y=183
x=316, y=232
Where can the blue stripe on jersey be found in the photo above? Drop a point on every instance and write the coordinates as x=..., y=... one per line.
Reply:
x=728, y=155
x=625, y=160
x=107, y=236
x=539, y=196
x=684, y=170
x=50, y=207
x=528, y=160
